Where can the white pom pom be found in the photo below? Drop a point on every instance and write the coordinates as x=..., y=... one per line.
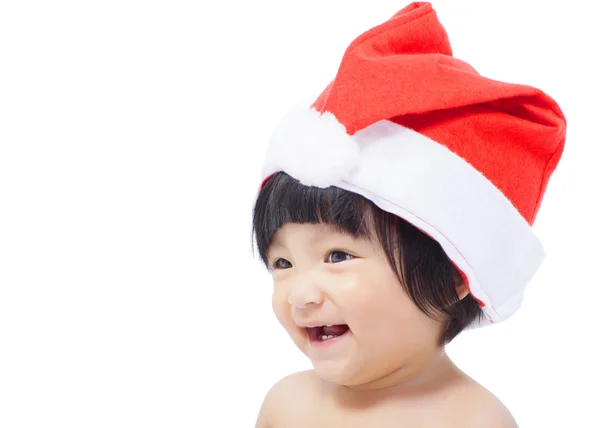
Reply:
x=312, y=147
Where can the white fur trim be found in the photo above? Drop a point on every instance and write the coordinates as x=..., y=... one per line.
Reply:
x=412, y=176
x=322, y=152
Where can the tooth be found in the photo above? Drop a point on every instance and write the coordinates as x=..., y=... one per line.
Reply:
x=329, y=325
x=323, y=337
x=330, y=337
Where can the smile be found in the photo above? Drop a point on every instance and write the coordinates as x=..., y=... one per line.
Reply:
x=322, y=335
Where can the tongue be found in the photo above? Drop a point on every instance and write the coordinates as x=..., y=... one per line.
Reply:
x=335, y=330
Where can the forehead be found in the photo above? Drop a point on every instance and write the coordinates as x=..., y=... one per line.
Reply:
x=312, y=234
x=308, y=232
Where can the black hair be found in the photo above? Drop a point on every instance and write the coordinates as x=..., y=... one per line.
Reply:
x=421, y=265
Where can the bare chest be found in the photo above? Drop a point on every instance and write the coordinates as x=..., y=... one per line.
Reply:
x=381, y=417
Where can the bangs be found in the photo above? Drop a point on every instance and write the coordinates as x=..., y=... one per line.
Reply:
x=284, y=200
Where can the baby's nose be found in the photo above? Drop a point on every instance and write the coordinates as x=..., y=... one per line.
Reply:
x=305, y=294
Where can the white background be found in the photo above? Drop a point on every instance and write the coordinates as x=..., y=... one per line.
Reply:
x=131, y=141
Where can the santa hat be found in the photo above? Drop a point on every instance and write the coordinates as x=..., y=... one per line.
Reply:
x=421, y=134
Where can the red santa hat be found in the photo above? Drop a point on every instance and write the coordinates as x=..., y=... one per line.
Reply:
x=421, y=134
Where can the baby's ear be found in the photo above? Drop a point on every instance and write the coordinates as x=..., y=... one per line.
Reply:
x=461, y=286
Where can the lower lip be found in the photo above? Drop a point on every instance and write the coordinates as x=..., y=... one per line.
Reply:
x=324, y=344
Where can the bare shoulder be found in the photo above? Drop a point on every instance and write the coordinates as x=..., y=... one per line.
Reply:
x=288, y=397
x=480, y=408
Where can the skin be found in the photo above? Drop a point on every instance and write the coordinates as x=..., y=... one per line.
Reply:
x=388, y=370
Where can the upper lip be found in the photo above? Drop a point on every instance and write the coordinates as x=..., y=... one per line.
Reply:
x=317, y=324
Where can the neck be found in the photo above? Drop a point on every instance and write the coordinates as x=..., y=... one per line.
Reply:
x=424, y=375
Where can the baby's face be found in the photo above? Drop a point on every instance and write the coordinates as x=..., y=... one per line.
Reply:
x=323, y=277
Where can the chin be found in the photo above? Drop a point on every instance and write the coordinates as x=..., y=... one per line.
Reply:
x=337, y=372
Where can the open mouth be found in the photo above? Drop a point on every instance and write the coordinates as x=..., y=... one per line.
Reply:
x=326, y=332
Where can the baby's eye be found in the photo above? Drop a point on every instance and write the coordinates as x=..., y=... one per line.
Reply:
x=338, y=256
x=281, y=264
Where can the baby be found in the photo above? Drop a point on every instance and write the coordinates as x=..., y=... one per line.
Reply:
x=394, y=213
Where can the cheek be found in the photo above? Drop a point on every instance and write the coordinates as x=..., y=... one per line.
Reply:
x=279, y=302
x=387, y=317
x=282, y=310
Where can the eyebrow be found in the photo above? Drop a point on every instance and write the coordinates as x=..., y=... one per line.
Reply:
x=316, y=238
x=275, y=245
